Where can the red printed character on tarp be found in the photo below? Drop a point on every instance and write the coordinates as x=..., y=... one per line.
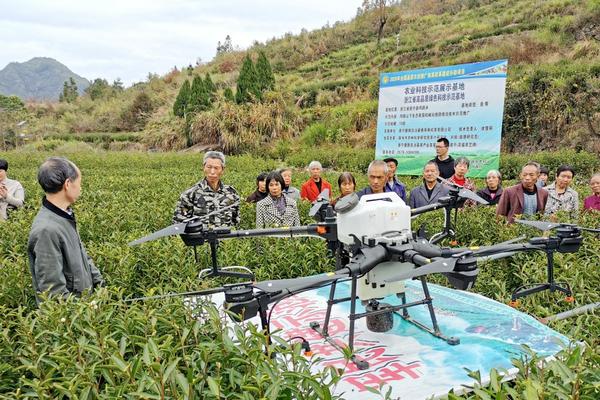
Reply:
x=374, y=356
x=393, y=372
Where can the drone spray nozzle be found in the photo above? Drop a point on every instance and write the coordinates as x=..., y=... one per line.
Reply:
x=381, y=318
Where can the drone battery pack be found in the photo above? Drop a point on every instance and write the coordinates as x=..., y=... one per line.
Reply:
x=374, y=215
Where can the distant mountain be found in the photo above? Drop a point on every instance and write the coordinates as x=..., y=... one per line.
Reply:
x=40, y=78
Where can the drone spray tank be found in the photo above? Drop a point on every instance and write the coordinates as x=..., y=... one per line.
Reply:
x=372, y=219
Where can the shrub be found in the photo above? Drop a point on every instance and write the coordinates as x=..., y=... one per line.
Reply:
x=584, y=163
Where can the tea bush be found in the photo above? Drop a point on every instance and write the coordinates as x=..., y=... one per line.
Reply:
x=102, y=347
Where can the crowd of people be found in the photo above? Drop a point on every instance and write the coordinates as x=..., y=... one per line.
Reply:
x=60, y=265
x=277, y=200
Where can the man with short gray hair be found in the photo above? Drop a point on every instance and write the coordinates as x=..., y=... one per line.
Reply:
x=58, y=261
x=210, y=197
x=311, y=189
x=377, y=173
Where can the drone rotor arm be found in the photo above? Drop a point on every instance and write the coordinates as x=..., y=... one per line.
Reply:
x=289, y=286
x=503, y=248
x=439, y=265
x=590, y=230
x=541, y=225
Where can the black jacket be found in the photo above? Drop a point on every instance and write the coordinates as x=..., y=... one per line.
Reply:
x=487, y=195
x=446, y=167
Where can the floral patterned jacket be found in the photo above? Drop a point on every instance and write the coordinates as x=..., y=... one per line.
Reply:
x=567, y=201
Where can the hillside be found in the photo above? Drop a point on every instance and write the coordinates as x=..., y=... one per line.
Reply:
x=40, y=78
x=327, y=81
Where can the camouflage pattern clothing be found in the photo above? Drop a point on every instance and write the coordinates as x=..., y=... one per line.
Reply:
x=201, y=199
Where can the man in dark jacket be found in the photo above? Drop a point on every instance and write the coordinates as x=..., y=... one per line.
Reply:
x=58, y=261
x=430, y=191
x=378, y=175
x=444, y=161
x=393, y=184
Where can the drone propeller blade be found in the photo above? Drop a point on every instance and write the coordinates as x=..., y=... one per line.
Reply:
x=464, y=192
x=438, y=266
x=469, y=194
x=322, y=199
x=293, y=285
x=547, y=226
x=176, y=229
x=541, y=225
x=590, y=230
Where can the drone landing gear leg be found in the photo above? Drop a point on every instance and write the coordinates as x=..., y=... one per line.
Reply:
x=448, y=230
x=215, y=271
x=360, y=363
x=551, y=285
x=435, y=330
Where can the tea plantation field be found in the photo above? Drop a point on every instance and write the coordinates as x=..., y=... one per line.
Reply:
x=103, y=347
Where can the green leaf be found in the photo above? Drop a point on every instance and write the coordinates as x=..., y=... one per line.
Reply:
x=182, y=381
x=213, y=386
x=170, y=369
x=119, y=362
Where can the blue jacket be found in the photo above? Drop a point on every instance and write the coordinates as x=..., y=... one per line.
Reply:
x=397, y=187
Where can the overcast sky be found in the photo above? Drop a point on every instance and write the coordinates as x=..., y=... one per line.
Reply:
x=127, y=39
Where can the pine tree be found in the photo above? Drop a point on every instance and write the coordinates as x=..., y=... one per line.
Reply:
x=182, y=100
x=99, y=88
x=199, y=96
x=228, y=94
x=118, y=85
x=69, y=93
x=266, y=80
x=211, y=89
x=226, y=47
x=247, y=84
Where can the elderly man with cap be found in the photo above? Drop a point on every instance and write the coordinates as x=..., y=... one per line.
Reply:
x=12, y=194
x=220, y=203
x=58, y=261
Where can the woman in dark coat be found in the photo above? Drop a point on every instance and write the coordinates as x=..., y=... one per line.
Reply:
x=493, y=187
x=261, y=189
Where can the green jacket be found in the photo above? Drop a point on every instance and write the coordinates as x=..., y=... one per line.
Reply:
x=58, y=261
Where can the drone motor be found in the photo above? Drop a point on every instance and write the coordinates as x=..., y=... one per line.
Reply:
x=241, y=302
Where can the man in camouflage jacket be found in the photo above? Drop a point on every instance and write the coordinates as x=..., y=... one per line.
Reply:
x=210, y=196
